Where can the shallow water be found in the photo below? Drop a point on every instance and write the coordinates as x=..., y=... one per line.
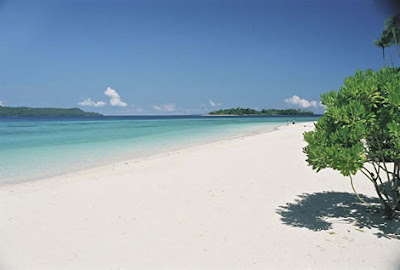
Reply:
x=38, y=147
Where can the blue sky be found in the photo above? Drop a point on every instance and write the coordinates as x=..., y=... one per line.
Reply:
x=182, y=56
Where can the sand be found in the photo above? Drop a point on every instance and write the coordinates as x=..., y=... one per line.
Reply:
x=225, y=205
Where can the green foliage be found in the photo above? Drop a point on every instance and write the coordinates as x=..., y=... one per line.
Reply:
x=362, y=125
x=27, y=111
x=242, y=111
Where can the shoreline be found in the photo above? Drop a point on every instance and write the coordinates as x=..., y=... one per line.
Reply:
x=145, y=156
x=245, y=203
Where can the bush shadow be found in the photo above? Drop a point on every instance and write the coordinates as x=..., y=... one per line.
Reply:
x=313, y=211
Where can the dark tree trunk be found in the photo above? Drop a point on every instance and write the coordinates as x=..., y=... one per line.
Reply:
x=383, y=54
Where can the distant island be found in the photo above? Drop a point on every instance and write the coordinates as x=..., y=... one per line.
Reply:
x=27, y=111
x=242, y=111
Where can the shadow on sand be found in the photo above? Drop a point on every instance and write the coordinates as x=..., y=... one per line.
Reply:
x=313, y=211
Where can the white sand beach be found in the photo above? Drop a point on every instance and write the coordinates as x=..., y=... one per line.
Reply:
x=224, y=205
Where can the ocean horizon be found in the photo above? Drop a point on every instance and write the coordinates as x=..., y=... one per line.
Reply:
x=33, y=148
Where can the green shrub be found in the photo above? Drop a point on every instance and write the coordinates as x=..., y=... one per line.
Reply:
x=360, y=132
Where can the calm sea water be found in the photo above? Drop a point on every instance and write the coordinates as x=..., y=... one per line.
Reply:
x=39, y=147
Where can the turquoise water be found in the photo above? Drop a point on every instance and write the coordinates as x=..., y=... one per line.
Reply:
x=38, y=147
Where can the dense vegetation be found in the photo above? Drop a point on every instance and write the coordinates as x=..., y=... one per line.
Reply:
x=27, y=111
x=360, y=132
x=242, y=111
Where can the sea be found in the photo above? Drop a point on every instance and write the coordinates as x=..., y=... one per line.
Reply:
x=33, y=148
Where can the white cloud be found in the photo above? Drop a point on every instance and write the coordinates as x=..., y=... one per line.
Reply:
x=170, y=107
x=301, y=102
x=137, y=108
x=91, y=103
x=1, y=103
x=115, y=99
x=213, y=103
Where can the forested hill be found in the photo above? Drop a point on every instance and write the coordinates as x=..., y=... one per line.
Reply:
x=27, y=111
x=242, y=111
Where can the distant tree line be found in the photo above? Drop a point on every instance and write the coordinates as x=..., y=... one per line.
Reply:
x=27, y=111
x=247, y=111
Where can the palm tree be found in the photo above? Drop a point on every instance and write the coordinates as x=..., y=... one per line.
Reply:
x=387, y=39
x=381, y=43
x=392, y=31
